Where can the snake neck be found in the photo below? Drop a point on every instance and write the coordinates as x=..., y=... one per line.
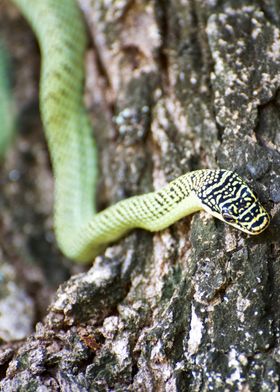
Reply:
x=152, y=211
x=175, y=201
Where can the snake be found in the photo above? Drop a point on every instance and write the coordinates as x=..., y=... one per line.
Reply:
x=81, y=231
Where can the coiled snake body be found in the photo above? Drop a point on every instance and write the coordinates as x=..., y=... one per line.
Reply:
x=81, y=232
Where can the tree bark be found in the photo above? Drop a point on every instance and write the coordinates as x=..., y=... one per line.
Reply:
x=172, y=86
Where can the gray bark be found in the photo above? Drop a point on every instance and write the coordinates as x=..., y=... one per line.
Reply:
x=172, y=86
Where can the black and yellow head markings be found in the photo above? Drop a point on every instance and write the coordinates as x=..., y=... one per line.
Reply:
x=226, y=196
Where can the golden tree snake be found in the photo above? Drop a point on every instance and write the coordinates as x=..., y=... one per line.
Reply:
x=81, y=231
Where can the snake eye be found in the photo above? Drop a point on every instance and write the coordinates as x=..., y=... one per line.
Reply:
x=227, y=216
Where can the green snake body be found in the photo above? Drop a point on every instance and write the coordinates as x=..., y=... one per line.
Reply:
x=81, y=232
x=6, y=107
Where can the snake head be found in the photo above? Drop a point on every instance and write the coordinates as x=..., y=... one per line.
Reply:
x=246, y=214
x=230, y=199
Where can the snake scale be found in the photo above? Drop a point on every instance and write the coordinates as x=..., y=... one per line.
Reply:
x=81, y=232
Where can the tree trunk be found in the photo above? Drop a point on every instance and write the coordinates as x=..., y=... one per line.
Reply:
x=172, y=86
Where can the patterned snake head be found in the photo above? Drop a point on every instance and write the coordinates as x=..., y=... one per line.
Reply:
x=225, y=195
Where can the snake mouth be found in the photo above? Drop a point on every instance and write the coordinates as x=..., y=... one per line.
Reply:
x=260, y=224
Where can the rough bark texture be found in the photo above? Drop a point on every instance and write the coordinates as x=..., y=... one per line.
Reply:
x=172, y=86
